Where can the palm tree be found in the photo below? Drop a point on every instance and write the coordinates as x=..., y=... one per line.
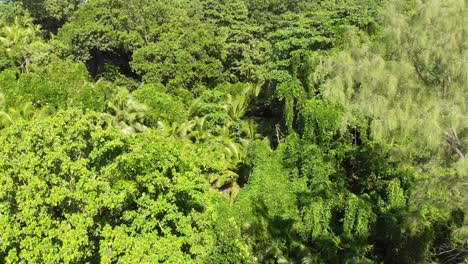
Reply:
x=25, y=111
x=2, y=100
x=198, y=131
x=195, y=107
x=250, y=129
x=21, y=32
x=16, y=37
x=234, y=150
x=252, y=90
x=237, y=106
x=5, y=119
x=125, y=113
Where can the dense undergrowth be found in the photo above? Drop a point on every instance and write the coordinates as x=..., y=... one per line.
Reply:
x=240, y=131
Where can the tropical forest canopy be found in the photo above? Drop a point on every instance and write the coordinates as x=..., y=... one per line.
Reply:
x=233, y=131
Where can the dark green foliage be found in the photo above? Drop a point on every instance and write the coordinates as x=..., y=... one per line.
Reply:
x=51, y=14
x=188, y=62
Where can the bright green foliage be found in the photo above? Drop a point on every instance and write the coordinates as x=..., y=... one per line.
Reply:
x=246, y=51
x=175, y=62
x=328, y=182
x=298, y=34
x=97, y=28
x=170, y=45
x=124, y=112
x=188, y=55
x=61, y=84
x=50, y=13
x=75, y=192
x=162, y=106
x=233, y=131
x=20, y=42
x=267, y=223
